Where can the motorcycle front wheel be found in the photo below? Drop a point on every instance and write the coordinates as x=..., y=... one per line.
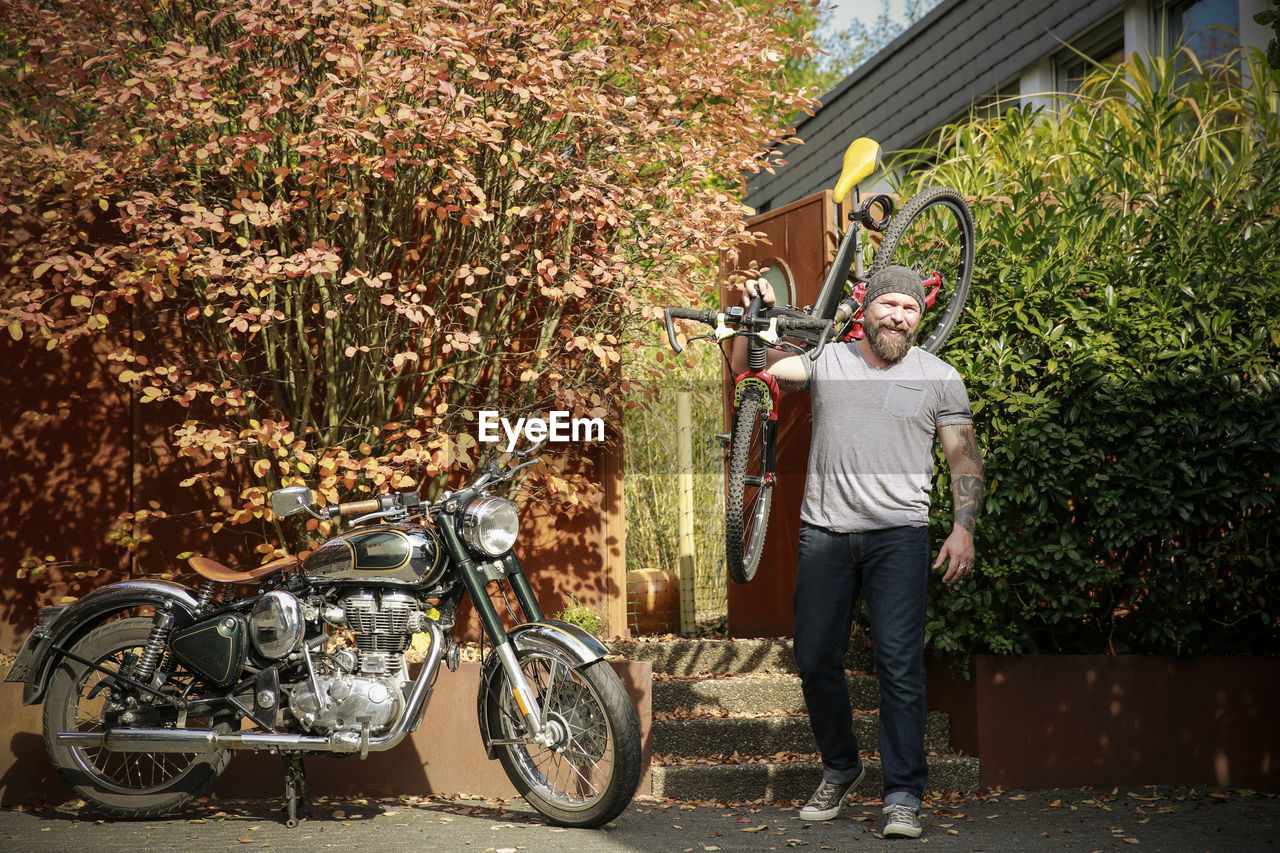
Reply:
x=590, y=772
x=80, y=698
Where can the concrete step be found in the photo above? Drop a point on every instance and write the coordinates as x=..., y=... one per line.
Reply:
x=752, y=694
x=774, y=782
x=721, y=657
x=727, y=735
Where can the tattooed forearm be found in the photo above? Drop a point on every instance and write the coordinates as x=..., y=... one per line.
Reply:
x=789, y=384
x=966, y=490
x=965, y=460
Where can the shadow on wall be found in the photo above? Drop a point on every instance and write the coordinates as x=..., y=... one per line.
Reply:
x=65, y=476
x=88, y=453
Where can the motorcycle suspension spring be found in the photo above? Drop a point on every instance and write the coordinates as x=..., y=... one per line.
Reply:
x=151, y=655
x=207, y=594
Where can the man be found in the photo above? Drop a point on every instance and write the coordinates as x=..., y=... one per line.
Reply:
x=877, y=404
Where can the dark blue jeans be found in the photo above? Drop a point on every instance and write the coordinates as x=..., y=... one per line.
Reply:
x=890, y=570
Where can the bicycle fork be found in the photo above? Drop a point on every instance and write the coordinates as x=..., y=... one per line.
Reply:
x=763, y=380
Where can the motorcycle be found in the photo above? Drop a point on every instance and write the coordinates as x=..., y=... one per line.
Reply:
x=142, y=712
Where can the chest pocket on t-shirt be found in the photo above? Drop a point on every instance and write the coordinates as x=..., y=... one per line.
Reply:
x=903, y=401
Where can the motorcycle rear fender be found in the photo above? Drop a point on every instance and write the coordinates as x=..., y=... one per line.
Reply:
x=83, y=616
x=546, y=635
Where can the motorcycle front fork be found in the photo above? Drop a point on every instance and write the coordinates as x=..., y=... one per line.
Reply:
x=475, y=577
x=526, y=698
x=508, y=568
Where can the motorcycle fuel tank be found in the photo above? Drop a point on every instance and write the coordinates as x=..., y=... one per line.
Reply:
x=384, y=553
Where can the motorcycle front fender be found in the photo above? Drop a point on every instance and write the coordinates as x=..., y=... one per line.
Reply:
x=79, y=618
x=546, y=635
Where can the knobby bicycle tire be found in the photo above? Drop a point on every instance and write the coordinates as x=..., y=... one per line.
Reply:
x=748, y=494
x=933, y=232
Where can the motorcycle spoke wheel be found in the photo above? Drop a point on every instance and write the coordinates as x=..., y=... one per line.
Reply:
x=80, y=698
x=933, y=233
x=589, y=772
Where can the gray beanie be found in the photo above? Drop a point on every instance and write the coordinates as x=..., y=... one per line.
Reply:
x=894, y=279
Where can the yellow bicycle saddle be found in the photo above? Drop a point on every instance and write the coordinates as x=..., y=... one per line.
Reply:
x=861, y=158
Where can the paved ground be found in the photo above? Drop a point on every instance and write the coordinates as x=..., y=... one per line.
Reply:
x=1140, y=819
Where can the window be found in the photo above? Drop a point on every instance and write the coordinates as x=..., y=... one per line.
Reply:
x=778, y=274
x=1209, y=28
x=1101, y=45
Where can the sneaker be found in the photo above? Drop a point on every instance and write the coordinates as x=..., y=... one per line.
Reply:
x=828, y=799
x=902, y=821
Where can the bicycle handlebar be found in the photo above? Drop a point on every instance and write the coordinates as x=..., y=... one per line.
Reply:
x=787, y=321
x=790, y=323
x=669, y=314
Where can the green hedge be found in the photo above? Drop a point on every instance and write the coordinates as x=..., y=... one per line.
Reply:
x=1121, y=352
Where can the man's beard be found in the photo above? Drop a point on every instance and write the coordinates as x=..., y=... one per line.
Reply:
x=890, y=348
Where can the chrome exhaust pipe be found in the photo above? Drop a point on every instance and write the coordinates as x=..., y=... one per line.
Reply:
x=160, y=740
x=204, y=741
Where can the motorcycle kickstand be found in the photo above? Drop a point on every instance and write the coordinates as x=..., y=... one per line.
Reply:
x=295, y=789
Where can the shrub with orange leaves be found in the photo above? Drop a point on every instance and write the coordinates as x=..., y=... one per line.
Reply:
x=333, y=230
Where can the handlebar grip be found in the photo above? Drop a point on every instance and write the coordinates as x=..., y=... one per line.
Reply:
x=354, y=507
x=795, y=323
x=669, y=314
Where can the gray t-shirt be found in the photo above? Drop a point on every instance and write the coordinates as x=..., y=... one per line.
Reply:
x=871, y=458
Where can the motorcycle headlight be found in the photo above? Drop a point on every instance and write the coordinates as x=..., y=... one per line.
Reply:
x=490, y=525
x=276, y=624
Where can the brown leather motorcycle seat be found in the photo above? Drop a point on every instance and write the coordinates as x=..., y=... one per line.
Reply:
x=215, y=571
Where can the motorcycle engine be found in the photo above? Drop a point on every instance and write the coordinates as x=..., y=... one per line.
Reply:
x=352, y=687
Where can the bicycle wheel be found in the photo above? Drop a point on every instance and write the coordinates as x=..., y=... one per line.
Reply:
x=749, y=490
x=933, y=233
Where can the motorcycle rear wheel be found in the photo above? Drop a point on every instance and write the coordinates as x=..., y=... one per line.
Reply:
x=590, y=774
x=124, y=784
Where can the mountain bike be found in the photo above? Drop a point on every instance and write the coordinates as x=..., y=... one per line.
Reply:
x=932, y=234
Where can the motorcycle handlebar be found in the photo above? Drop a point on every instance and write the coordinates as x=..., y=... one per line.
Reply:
x=378, y=504
x=353, y=508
